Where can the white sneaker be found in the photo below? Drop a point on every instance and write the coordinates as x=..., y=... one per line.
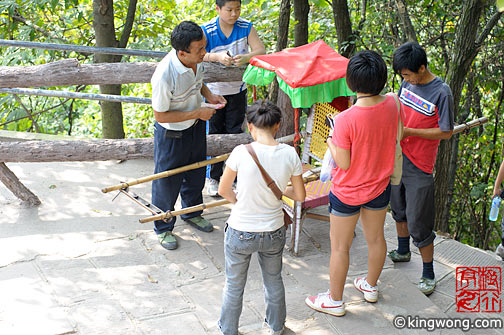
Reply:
x=323, y=303
x=212, y=187
x=272, y=332
x=370, y=292
x=500, y=251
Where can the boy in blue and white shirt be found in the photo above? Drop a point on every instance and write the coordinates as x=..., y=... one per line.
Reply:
x=229, y=39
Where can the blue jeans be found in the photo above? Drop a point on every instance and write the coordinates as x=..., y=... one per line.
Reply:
x=238, y=248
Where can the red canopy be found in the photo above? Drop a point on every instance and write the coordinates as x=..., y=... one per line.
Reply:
x=307, y=65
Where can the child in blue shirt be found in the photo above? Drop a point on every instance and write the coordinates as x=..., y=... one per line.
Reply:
x=229, y=38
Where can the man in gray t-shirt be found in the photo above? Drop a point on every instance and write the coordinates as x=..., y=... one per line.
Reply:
x=428, y=106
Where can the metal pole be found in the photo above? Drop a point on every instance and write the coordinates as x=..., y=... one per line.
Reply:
x=77, y=95
x=83, y=49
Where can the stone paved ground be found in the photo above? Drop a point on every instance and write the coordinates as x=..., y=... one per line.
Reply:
x=82, y=264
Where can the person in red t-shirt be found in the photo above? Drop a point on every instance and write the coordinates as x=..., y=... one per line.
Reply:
x=429, y=113
x=363, y=147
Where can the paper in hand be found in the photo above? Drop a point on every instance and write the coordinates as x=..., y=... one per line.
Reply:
x=213, y=106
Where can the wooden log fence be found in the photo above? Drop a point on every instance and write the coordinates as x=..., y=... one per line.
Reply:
x=67, y=72
x=9, y=179
x=104, y=149
x=94, y=150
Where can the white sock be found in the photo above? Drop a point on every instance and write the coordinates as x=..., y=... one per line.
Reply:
x=335, y=302
x=369, y=285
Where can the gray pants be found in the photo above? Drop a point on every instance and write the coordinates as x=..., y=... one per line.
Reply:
x=238, y=249
x=412, y=201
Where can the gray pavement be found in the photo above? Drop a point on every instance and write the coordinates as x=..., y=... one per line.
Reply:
x=82, y=264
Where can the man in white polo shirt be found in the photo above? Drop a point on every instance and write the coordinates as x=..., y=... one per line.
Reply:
x=179, y=133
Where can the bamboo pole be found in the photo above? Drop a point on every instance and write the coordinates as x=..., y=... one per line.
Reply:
x=216, y=159
x=468, y=125
x=170, y=214
x=166, y=173
x=315, y=174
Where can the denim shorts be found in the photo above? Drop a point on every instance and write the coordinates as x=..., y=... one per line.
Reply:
x=339, y=208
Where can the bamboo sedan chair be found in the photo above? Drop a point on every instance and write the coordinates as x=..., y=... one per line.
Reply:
x=309, y=74
x=317, y=192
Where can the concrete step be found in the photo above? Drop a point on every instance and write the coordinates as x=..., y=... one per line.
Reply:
x=398, y=294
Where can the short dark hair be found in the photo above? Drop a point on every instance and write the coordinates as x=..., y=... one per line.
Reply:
x=221, y=3
x=184, y=34
x=263, y=114
x=409, y=56
x=366, y=72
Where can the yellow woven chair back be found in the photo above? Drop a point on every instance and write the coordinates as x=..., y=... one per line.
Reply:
x=320, y=130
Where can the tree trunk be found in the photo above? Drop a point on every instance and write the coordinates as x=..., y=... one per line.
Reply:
x=407, y=26
x=287, y=124
x=282, y=39
x=462, y=58
x=301, y=11
x=103, y=23
x=346, y=39
x=283, y=25
x=112, y=117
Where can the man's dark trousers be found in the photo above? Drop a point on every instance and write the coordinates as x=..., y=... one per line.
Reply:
x=173, y=149
x=228, y=120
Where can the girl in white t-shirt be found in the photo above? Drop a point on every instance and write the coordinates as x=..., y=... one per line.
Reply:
x=256, y=221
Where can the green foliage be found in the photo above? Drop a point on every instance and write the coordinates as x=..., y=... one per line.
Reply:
x=481, y=151
x=500, y=5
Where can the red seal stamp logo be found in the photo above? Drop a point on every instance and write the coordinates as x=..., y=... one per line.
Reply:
x=478, y=289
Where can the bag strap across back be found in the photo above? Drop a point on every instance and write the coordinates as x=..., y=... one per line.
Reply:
x=399, y=128
x=269, y=181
